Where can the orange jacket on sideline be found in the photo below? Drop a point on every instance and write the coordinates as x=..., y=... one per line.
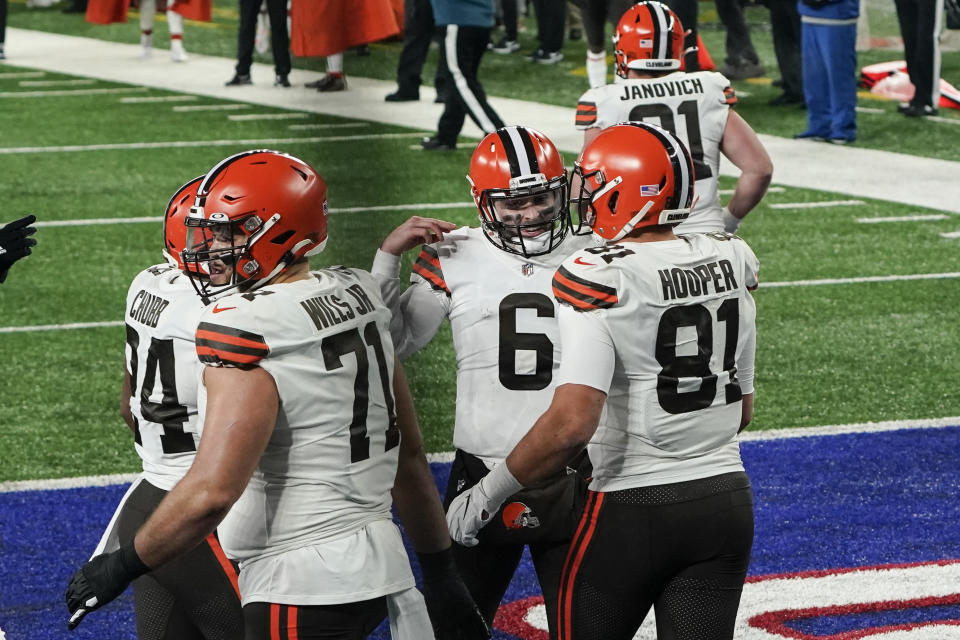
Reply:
x=325, y=27
x=108, y=11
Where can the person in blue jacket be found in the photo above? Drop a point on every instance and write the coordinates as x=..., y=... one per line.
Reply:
x=464, y=28
x=829, y=38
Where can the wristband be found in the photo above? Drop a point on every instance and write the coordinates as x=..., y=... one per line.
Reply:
x=437, y=565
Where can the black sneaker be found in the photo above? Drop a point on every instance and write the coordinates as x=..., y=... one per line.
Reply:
x=434, y=144
x=402, y=96
x=239, y=79
x=281, y=81
x=785, y=99
x=542, y=57
x=505, y=46
x=331, y=82
x=920, y=111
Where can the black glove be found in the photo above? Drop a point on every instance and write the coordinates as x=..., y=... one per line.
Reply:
x=452, y=611
x=101, y=580
x=15, y=243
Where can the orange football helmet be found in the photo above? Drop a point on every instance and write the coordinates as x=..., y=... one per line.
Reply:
x=649, y=36
x=274, y=203
x=633, y=175
x=175, y=225
x=520, y=186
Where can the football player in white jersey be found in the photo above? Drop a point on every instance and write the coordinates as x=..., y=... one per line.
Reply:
x=195, y=596
x=307, y=427
x=648, y=47
x=657, y=375
x=493, y=284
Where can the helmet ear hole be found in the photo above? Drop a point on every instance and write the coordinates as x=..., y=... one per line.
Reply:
x=283, y=237
x=613, y=201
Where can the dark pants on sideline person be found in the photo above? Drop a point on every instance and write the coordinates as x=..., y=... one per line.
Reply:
x=418, y=33
x=551, y=21
x=920, y=28
x=595, y=15
x=461, y=50
x=739, y=46
x=687, y=10
x=785, y=22
x=279, y=36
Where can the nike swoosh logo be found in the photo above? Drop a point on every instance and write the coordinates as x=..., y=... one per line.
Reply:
x=217, y=309
x=580, y=261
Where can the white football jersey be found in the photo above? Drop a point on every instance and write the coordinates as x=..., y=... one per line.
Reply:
x=162, y=313
x=324, y=481
x=504, y=325
x=665, y=329
x=693, y=106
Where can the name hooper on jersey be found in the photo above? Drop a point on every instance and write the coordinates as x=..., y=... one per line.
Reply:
x=682, y=283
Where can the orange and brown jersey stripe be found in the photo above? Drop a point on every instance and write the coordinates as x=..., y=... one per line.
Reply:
x=730, y=96
x=586, y=113
x=582, y=294
x=226, y=346
x=427, y=267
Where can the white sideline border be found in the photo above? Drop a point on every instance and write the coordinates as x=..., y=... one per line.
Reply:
x=447, y=456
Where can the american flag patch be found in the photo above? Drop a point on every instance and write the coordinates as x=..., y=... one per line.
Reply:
x=649, y=190
x=646, y=44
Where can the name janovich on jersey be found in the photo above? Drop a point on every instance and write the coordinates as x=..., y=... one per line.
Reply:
x=683, y=283
x=146, y=308
x=685, y=87
x=329, y=310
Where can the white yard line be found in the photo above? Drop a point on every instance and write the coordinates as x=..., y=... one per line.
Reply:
x=57, y=83
x=269, y=116
x=813, y=283
x=81, y=223
x=816, y=205
x=15, y=75
x=729, y=192
x=148, y=99
x=344, y=125
x=950, y=235
x=943, y=120
x=179, y=144
x=447, y=456
x=212, y=107
x=915, y=218
x=69, y=92
x=60, y=327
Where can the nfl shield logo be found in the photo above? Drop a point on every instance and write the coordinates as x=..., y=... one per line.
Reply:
x=527, y=269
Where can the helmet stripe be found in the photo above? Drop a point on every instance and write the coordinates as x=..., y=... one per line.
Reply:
x=682, y=183
x=656, y=17
x=519, y=150
x=510, y=149
x=527, y=139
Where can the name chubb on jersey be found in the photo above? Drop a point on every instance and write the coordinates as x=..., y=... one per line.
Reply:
x=697, y=281
x=329, y=310
x=146, y=308
x=641, y=91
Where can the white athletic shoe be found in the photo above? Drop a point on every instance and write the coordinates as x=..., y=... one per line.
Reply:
x=177, y=52
x=146, y=45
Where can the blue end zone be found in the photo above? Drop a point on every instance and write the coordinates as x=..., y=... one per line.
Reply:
x=823, y=502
